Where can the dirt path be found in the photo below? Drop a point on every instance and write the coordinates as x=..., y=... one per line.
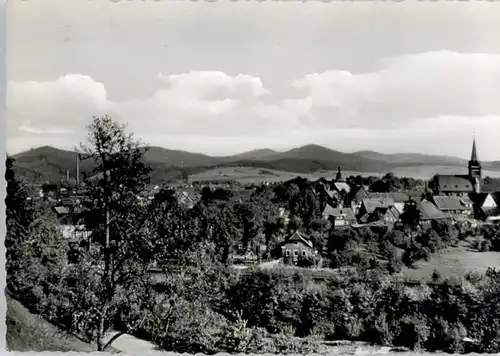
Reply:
x=130, y=344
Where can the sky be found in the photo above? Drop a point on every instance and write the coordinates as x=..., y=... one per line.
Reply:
x=226, y=77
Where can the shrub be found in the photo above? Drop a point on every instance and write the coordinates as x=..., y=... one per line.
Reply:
x=306, y=261
x=446, y=337
x=377, y=330
x=394, y=266
x=436, y=276
x=485, y=246
x=413, y=333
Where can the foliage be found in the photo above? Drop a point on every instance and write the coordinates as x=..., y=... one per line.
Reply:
x=20, y=214
x=120, y=249
x=199, y=306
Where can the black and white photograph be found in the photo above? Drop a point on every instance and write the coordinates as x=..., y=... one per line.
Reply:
x=252, y=177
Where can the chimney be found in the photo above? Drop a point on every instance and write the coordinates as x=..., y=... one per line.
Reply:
x=77, y=170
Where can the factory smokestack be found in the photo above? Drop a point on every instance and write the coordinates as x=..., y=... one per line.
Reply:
x=77, y=170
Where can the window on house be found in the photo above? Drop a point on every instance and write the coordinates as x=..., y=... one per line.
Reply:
x=303, y=253
x=287, y=253
x=295, y=252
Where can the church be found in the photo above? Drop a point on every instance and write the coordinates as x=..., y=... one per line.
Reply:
x=459, y=185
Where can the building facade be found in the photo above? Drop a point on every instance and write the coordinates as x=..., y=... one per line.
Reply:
x=460, y=185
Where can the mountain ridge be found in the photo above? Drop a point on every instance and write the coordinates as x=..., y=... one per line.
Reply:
x=50, y=163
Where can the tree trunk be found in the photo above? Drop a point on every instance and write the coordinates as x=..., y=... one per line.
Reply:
x=100, y=332
x=107, y=285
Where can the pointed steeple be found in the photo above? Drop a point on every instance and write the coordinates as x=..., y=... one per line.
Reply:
x=473, y=156
x=474, y=166
x=338, y=178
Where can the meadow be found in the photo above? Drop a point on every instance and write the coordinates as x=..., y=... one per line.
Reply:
x=259, y=175
x=453, y=262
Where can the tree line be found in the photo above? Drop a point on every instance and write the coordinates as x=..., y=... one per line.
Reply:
x=201, y=307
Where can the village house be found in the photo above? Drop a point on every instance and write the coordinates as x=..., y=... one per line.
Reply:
x=356, y=198
x=339, y=217
x=185, y=199
x=322, y=189
x=454, y=206
x=70, y=224
x=387, y=215
x=485, y=206
x=297, y=246
x=341, y=188
x=283, y=214
x=399, y=199
x=371, y=209
x=429, y=212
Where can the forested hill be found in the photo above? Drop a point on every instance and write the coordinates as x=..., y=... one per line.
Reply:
x=51, y=164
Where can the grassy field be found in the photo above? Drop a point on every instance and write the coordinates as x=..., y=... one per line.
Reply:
x=258, y=175
x=454, y=262
x=28, y=332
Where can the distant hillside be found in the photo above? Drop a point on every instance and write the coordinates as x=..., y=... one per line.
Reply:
x=252, y=155
x=50, y=164
x=412, y=159
x=177, y=158
x=328, y=159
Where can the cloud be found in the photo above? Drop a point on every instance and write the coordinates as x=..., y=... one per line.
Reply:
x=406, y=88
x=403, y=94
x=63, y=104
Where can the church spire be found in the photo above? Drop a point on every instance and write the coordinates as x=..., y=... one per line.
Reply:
x=473, y=156
x=338, y=178
x=475, y=167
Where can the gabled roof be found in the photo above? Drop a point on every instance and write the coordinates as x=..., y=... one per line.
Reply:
x=466, y=201
x=454, y=183
x=361, y=193
x=496, y=197
x=340, y=186
x=390, y=210
x=372, y=204
x=478, y=198
x=347, y=213
x=397, y=197
x=428, y=211
x=297, y=236
x=61, y=210
x=328, y=192
x=328, y=210
x=446, y=203
x=394, y=212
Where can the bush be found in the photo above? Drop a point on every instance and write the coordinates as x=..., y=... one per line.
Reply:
x=436, y=276
x=306, y=261
x=378, y=331
x=413, y=333
x=395, y=265
x=485, y=246
x=446, y=337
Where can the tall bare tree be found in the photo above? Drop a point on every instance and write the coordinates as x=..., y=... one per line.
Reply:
x=115, y=264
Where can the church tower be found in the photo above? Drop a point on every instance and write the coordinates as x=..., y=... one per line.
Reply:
x=338, y=178
x=475, y=167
